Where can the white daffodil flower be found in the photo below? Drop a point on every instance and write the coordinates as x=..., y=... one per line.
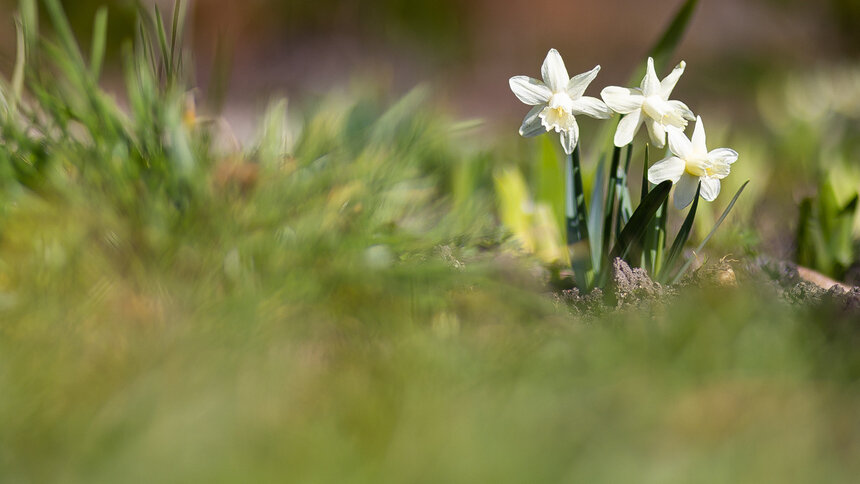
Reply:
x=690, y=164
x=649, y=104
x=556, y=100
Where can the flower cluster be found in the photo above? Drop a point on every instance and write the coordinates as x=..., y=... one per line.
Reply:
x=558, y=99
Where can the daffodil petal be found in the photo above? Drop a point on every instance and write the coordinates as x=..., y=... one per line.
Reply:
x=627, y=128
x=530, y=91
x=622, y=100
x=670, y=168
x=710, y=188
x=698, y=139
x=668, y=84
x=723, y=156
x=679, y=145
x=591, y=106
x=682, y=108
x=570, y=138
x=657, y=132
x=579, y=83
x=650, y=83
x=685, y=190
x=532, y=124
x=554, y=72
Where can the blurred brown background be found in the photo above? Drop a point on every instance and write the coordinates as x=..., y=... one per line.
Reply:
x=467, y=49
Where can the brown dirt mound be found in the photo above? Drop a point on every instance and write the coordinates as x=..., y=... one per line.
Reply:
x=632, y=288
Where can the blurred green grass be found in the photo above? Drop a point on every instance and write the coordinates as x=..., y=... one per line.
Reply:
x=340, y=322
x=335, y=302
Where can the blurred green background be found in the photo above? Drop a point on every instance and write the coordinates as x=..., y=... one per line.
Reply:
x=470, y=47
x=738, y=52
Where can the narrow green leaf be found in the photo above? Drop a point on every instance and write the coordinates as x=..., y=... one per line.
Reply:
x=29, y=10
x=828, y=206
x=147, y=28
x=595, y=214
x=176, y=30
x=99, y=42
x=577, y=222
x=655, y=240
x=648, y=248
x=625, y=207
x=18, y=73
x=575, y=209
x=804, y=252
x=549, y=179
x=682, y=237
x=645, y=174
x=635, y=229
x=162, y=43
x=843, y=239
x=725, y=214
x=662, y=219
x=133, y=81
x=609, y=210
x=64, y=30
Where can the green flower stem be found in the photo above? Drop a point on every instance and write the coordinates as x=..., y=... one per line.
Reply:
x=576, y=215
x=681, y=238
x=625, y=209
x=655, y=241
x=609, y=211
x=659, y=237
x=575, y=210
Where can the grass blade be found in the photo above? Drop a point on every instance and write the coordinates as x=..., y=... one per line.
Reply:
x=30, y=19
x=147, y=26
x=64, y=30
x=97, y=53
x=162, y=43
x=682, y=237
x=176, y=29
x=18, y=73
x=725, y=214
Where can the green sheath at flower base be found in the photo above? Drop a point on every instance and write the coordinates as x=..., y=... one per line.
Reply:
x=557, y=100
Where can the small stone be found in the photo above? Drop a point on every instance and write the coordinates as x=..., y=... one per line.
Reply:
x=720, y=274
